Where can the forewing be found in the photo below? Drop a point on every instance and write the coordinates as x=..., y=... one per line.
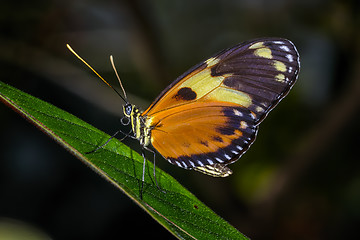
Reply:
x=255, y=75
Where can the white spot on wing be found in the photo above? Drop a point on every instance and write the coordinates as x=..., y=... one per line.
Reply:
x=184, y=164
x=252, y=115
x=234, y=152
x=285, y=48
x=259, y=109
x=238, y=113
x=278, y=42
x=200, y=163
x=219, y=160
x=297, y=53
x=290, y=57
x=210, y=161
x=192, y=164
x=227, y=157
x=243, y=125
x=238, y=147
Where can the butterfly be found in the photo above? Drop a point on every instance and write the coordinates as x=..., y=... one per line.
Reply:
x=209, y=116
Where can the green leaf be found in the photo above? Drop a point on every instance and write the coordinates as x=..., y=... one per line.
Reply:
x=174, y=207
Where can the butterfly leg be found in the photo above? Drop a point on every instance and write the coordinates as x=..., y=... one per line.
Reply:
x=143, y=172
x=116, y=133
x=156, y=182
x=144, y=165
x=154, y=172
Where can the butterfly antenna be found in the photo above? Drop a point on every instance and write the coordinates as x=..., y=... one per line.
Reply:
x=71, y=50
x=117, y=75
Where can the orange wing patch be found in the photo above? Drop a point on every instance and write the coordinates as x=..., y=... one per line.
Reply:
x=199, y=134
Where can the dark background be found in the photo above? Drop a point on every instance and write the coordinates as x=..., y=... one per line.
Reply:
x=301, y=178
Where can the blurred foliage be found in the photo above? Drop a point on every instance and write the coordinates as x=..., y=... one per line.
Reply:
x=299, y=180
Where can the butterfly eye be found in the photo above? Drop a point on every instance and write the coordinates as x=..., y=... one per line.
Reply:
x=125, y=120
x=127, y=110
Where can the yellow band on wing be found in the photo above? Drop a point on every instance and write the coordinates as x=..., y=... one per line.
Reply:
x=223, y=94
x=202, y=83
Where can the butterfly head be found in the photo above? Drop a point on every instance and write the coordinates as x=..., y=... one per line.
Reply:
x=127, y=109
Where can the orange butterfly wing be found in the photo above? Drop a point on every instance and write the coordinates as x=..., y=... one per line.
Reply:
x=200, y=134
x=208, y=117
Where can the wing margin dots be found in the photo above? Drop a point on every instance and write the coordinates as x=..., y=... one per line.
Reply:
x=224, y=155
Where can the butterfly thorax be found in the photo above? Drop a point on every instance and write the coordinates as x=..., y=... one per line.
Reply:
x=138, y=124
